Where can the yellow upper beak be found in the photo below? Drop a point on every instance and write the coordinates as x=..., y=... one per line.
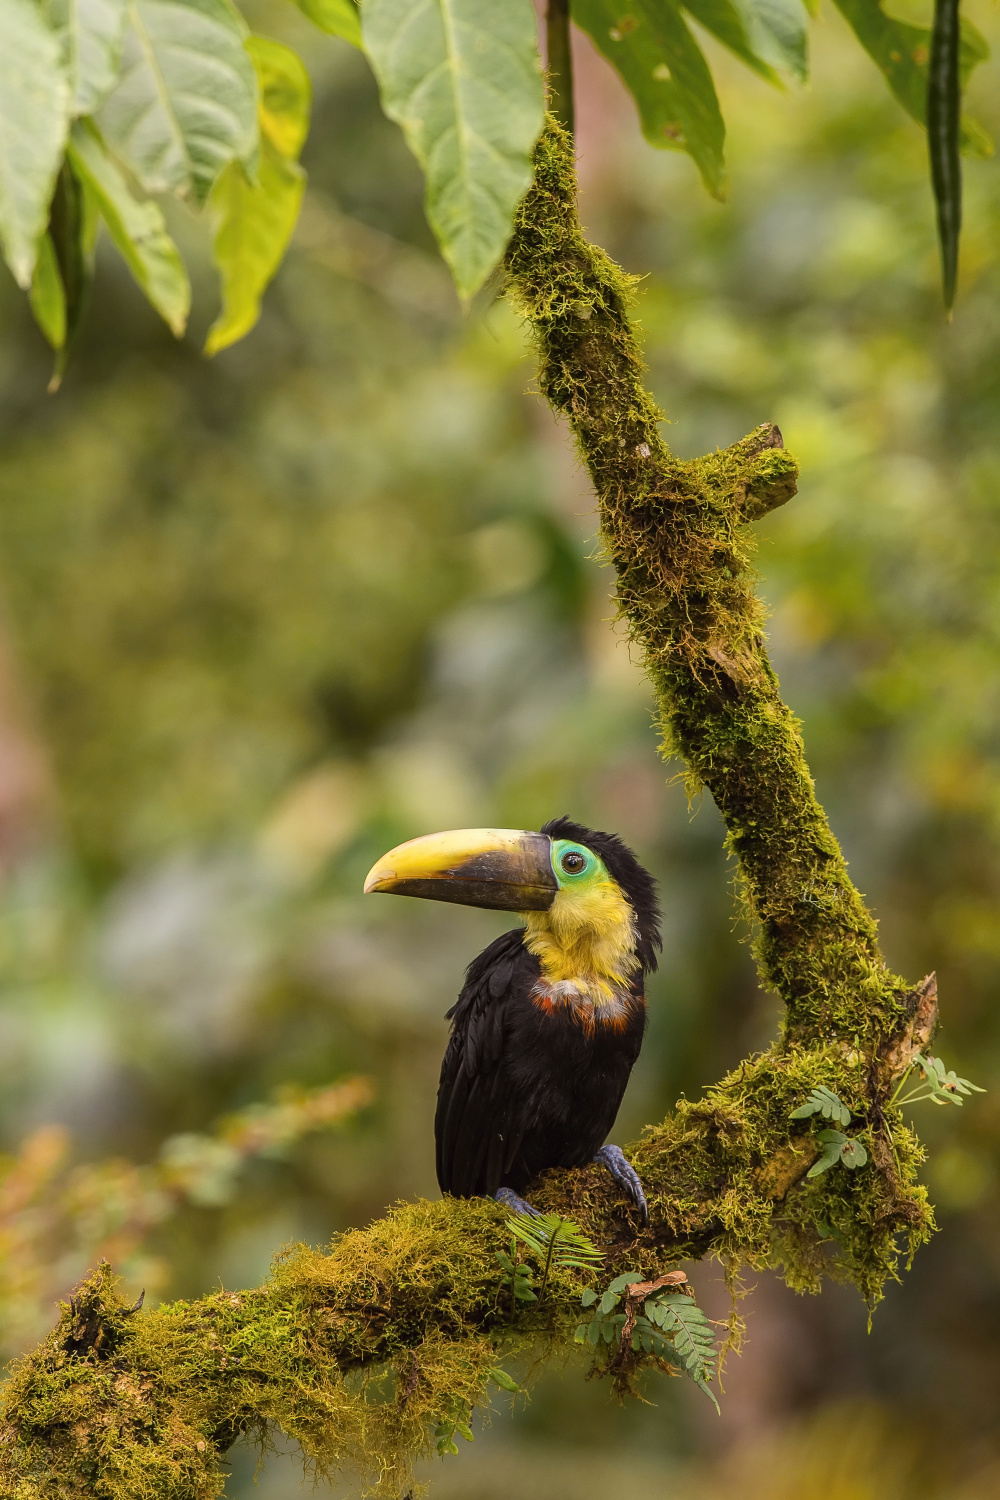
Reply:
x=503, y=868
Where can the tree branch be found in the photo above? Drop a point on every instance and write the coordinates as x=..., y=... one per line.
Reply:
x=358, y=1353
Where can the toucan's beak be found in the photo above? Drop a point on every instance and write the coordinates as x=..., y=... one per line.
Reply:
x=495, y=867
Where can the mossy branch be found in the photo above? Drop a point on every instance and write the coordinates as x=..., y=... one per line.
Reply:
x=359, y=1352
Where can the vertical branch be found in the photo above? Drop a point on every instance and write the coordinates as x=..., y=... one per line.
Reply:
x=560, y=62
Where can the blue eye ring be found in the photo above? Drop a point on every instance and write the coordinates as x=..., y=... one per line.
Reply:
x=571, y=861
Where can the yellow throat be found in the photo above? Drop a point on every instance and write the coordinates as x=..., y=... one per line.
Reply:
x=586, y=938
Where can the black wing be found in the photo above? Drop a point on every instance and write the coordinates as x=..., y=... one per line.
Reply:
x=479, y=1126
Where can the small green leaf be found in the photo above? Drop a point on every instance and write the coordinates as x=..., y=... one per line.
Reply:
x=462, y=79
x=185, y=103
x=621, y=1282
x=502, y=1379
x=823, y=1101
x=608, y=1303
x=833, y=1143
x=137, y=229
x=34, y=119
x=664, y=70
x=588, y=1296
x=337, y=17
x=47, y=298
x=853, y=1154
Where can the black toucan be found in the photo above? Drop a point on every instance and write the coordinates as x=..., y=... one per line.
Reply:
x=551, y=1017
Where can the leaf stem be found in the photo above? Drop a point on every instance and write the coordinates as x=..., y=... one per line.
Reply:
x=548, y=1260
x=560, y=62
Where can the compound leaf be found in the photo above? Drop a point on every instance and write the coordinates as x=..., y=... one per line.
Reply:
x=185, y=104
x=462, y=79
x=137, y=229
x=34, y=119
x=664, y=70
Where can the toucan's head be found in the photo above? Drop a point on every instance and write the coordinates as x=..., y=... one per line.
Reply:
x=576, y=887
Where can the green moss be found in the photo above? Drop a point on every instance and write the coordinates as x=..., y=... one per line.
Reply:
x=359, y=1352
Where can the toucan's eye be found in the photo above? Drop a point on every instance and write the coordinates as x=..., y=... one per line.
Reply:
x=572, y=862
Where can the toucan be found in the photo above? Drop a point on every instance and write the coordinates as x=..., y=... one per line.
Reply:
x=551, y=1017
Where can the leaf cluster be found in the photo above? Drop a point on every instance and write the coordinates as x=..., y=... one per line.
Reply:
x=455, y=1421
x=99, y=98
x=670, y=1327
x=836, y=1146
x=556, y=1242
x=823, y=1101
x=938, y=1084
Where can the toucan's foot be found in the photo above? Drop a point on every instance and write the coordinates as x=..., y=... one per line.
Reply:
x=509, y=1199
x=625, y=1175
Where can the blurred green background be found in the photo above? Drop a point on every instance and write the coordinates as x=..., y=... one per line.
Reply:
x=265, y=616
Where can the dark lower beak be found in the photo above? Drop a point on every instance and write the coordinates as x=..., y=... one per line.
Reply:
x=501, y=868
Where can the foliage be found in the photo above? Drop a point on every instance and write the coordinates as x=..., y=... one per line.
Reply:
x=671, y=1326
x=938, y=1085
x=184, y=99
x=837, y=1147
x=557, y=1243
x=58, y=1218
x=823, y=1101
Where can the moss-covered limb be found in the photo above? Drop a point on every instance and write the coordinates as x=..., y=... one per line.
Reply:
x=359, y=1353
x=675, y=532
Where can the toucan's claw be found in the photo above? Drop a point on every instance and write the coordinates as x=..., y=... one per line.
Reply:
x=625, y=1175
x=509, y=1199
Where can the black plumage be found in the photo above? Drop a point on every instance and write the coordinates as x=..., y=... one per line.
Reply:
x=523, y=1087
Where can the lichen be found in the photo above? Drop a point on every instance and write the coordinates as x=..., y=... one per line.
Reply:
x=359, y=1352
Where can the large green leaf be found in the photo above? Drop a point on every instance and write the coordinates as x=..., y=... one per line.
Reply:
x=34, y=118
x=255, y=220
x=462, y=79
x=663, y=67
x=902, y=53
x=93, y=31
x=338, y=17
x=137, y=229
x=186, y=102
